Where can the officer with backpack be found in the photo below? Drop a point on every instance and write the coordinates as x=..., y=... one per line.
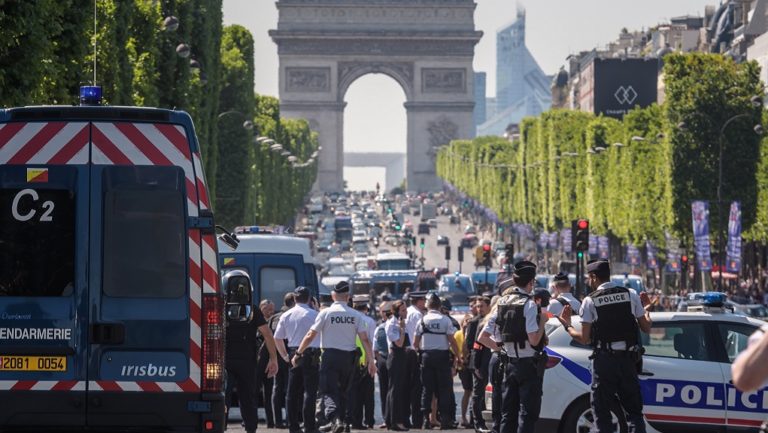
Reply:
x=435, y=341
x=611, y=317
x=563, y=295
x=521, y=325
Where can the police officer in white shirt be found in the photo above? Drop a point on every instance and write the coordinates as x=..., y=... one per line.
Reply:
x=415, y=312
x=611, y=318
x=361, y=396
x=396, y=411
x=293, y=325
x=434, y=338
x=563, y=295
x=338, y=326
x=521, y=327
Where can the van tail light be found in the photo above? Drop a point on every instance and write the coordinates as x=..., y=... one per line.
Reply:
x=213, y=343
x=552, y=361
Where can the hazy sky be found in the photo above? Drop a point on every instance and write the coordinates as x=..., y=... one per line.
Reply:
x=555, y=29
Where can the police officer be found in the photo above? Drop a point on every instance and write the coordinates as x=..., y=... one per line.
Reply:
x=416, y=311
x=280, y=389
x=521, y=325
x=396, y=416
x=434, y=338
x=338, y=327
x=478, y=362
x=610, y=318
x=563, y=295
x=361, y=393
x=381, y=350
x=293, y=325
x=241, y=355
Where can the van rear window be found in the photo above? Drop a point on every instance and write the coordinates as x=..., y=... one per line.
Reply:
x=37, y=242
x=144, y=232
x=274, y=283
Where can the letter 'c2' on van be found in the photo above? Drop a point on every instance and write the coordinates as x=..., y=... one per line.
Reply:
x=111, y=317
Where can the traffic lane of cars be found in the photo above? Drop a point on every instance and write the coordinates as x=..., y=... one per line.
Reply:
x=685, y=379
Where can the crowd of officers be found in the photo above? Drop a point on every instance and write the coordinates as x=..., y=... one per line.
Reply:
x=319, y=362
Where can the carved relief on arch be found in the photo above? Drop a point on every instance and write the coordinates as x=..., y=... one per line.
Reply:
x=442, y=131
x=402, y=72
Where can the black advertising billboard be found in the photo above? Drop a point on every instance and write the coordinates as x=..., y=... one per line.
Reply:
x=623, y=84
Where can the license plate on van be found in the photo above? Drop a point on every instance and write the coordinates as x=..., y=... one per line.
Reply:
x=33, y=363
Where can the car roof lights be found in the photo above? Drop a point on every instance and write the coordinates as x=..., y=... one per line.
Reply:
x=90, y=95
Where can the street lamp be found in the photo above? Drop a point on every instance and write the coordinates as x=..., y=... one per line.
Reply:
x=637, y=138
x=247, y=124
x=600, y=149
x=617, y=144
x=285, y=153
x=277, y=147
x=292, y=159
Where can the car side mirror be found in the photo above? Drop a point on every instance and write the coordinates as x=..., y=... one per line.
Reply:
x=239, y=295
x=229, y=239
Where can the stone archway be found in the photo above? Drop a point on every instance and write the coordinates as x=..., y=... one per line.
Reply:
x=427, y=46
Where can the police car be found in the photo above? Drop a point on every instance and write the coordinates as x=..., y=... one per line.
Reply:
x=111, y=317
x=685, y=380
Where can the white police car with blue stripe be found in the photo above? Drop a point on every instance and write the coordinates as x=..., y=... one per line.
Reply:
x=685, y=379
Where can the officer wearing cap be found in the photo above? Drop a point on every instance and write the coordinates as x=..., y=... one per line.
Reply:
x=360, y=409
x=563, y=295
x=521, y=325
x=434, y=339
x=338, y=326
x=381, y=350
x=610, y=318
x=415, y=313
x=293, y=325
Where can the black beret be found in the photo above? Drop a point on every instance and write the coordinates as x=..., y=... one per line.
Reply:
x=601, y=266
x=560, y=277
x=341, y=287
x=301, y=290
x=525, y=269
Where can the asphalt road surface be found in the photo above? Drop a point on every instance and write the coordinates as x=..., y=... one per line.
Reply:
x=234, y=422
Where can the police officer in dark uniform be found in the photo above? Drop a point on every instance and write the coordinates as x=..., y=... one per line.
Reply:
x=338, y=326
x=434, y=339
x=280, y=388
x=294, y=324
x=241, y=355
x=611, y=317
x=521, y=325
x=479, y=358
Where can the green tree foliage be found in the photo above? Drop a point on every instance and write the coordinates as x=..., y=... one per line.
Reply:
x=634, y=179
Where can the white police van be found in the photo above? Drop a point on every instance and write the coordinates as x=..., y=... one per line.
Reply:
x=686, y=377
x=110, y=310
x=277, y=264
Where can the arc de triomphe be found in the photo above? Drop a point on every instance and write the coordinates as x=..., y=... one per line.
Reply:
x=427, y=46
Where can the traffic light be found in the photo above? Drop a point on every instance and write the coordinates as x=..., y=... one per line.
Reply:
x=683, y=272
x=580, y=230
x=447, y=252
x=487, y=255
x=421, y=244
x=509, y=252
x=461, y=254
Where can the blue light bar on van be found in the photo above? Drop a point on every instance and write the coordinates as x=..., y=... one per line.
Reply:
x=90, y=95
x=252, y=230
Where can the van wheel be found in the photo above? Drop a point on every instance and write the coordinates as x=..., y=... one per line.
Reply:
x=580, y=419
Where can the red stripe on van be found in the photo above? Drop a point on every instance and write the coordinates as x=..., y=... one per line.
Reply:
x=149, y=386
x=36, y=143
x=75, y=145
x=191, y=191
x=108, y=148
x=188, y=386
x=195, y=352
x=108, y=385
x=9, y=131
x=175, y=137
x=23, y=385
x=64, y=385
x=141, y=142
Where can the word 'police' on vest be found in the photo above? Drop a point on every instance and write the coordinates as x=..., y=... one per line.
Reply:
x=615, y=298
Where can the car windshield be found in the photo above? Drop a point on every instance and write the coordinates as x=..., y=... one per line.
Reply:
x=630, y=283
x=462, y=284
x=340, y=270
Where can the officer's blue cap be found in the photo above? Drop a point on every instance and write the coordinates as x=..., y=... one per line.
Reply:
x=341, y=287
x=525, y=269
x=417, y=295
x=301, y=290
x=599, y=266
x=560, y=277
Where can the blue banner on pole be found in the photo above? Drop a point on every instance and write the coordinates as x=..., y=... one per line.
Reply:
x=733, y=262
x=633, y=255
x=673, y=253
x=565, y=237
x=592, y=245
x=553, y=238
x=650, y=256
x=603, y=250
x=543, y=238
x=700, y=211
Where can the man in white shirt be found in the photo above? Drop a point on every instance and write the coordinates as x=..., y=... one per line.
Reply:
x=563, y=295
x=415, y=313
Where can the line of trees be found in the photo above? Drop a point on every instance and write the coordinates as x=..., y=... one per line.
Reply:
x=634, y=179
x=46, y=53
